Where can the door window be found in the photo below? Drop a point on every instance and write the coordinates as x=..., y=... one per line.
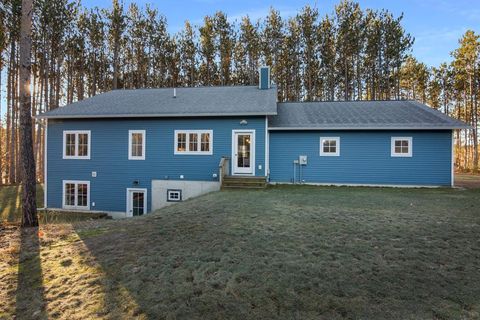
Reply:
x=243, y=150
x=138, y=203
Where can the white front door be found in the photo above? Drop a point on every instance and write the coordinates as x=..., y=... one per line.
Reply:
x=243, y=145
x=136, y=202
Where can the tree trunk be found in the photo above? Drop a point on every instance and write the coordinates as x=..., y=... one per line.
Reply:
x=29, y=206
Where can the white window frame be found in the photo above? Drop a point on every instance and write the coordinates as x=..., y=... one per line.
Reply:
x=145, y=202
x=76, y=206
x=174, y=191
x=130, y=140
x=76, y=133
x=199, y=142
x=410, y=147
x=330, y=154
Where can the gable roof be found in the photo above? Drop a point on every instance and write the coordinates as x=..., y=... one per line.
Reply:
x=360, y=115
x=189, y=102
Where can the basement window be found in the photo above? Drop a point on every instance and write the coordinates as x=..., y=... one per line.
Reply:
x=401, y=147
x=174, y=195
x=76, y=194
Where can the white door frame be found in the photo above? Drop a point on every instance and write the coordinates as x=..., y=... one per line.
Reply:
x=234, y=152
x=129, y=200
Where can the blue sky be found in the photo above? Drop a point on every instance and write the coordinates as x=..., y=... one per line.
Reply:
x=436, y=24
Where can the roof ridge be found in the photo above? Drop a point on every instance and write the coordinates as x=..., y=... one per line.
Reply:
x=346, y=101
x=183, y=87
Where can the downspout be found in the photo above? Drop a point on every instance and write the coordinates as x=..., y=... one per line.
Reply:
x=452, y=179
x=267, y=150
x=294, y=173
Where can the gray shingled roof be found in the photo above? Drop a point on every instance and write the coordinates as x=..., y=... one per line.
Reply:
x=362, y=115
x=201, y=101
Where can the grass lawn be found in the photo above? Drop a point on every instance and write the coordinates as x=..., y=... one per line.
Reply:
x=289, y=252
x=10, y=208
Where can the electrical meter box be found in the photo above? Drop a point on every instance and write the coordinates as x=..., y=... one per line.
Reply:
x=302, y=160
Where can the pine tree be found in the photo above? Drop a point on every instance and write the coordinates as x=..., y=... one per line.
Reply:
x=327, y=58
x=272, y=38
x=309, y=47
x=29, y=205
x=466, y=65
x=250, y=40
x=224, y=43
x=208, y=68
x=117, y=26
x=349, y=26
x=188, y=56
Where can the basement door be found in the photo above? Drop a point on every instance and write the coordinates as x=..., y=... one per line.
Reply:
x=136, y=202
x=243, y=152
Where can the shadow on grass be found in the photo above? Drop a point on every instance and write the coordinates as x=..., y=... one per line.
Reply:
x=30, y=302
x=121, y=299
x=10, y=202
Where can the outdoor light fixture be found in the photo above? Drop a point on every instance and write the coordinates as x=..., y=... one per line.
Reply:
x=244, y=122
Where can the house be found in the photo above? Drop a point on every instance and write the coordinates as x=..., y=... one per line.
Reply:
x=129, y=152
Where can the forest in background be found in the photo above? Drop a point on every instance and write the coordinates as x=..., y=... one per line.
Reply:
x=349, y=54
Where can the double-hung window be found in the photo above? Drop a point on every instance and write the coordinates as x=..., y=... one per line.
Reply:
x=76, y=144
x=136, y=145
x=330, y=146
x=194, y=142
x=401, y=147
x=76, y=194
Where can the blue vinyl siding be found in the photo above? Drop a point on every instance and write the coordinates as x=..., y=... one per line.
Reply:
x=365, y=158
x=115, y=173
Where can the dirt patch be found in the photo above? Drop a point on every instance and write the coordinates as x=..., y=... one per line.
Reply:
x=469, y=181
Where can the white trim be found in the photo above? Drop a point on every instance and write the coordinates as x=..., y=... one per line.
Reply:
x=157, y=115
x=252, y=152
x=364, y=128
x=174, y=191
x=267, y=148
x=76, y=207
x=453, y=160
x=144, y=143
x=76, y=133
x=401, y=155
x=45, y=166
x=370, y=185
x=187, y=142
x=330, y=154
x=145, y=202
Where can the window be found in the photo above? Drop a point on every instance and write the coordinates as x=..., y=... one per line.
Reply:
x=174, y=195
x=76, y=194
x=136, y=145
x=194, y=142
x=401, y=147
x=329, y=146
x=76, y=144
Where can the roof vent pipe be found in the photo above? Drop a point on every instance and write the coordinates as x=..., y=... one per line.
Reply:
x=174, y=92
